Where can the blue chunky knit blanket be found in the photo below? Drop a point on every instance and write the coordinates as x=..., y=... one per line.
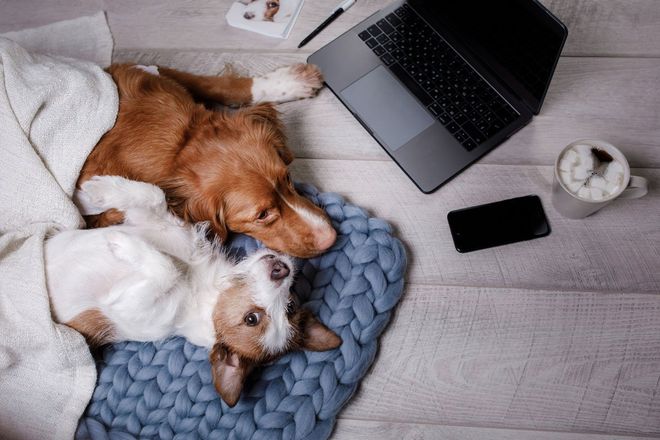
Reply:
x=164, y=389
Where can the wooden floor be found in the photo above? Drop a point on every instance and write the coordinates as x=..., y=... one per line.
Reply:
x=557, y=338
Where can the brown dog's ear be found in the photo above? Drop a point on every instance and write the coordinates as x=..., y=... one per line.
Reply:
x=201, y=208
x=266, y=113
x=229, y=372
x=194, y=205
x=316, y=336
x=218, y=222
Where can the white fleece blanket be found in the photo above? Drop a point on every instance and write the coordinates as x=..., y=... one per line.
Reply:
x=52, y=113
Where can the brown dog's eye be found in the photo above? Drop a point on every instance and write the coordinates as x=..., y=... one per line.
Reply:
x=262, y=215
x=273, y=5
x=251, y=319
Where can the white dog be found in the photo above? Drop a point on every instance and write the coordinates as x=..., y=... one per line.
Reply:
x=155, y=276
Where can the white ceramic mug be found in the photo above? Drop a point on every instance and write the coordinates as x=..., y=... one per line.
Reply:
x=572, y=206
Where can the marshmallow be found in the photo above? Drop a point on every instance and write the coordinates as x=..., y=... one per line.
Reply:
x=614, y=172
x=597, y=194
x=584, y=192
x=573, y=186
x=611, y=188
x=598, y=182
x=587, y=162
x=580, y=173
x=583, y=150
x=571, y=156
x=565, y=164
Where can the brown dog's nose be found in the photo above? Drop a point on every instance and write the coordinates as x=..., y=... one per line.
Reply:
x=326, y=238
x=278, y=270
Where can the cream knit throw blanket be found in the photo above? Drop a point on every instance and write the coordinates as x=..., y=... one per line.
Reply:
x=52, y=113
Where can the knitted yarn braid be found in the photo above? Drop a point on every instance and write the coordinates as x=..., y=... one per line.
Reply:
x=164, y=389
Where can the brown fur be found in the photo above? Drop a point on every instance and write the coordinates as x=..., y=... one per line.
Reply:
x=238, y=349
x=217, y=167
x=94, y=326
x=228, y=320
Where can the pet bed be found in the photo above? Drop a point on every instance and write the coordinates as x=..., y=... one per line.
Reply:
x=165, y=389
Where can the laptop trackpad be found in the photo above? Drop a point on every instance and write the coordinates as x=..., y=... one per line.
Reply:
x=387, y=107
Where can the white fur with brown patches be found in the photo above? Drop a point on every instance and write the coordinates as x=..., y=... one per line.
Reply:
x=155, y=276
x=152, y=276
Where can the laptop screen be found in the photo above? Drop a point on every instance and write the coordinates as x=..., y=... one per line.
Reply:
x=518, y=40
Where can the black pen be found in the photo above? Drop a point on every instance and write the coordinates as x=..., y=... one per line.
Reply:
x=340, y=10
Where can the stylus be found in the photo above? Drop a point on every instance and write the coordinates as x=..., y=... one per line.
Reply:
x=340, y=10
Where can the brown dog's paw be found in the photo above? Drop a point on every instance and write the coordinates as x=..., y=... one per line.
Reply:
x=289, y=83
x=309, y=75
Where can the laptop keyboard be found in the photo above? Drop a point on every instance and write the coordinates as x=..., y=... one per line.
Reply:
x=442, y=81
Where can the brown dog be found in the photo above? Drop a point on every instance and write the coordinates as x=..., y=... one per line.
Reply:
x=226, y=168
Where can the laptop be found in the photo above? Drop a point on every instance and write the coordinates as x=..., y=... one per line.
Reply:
x=440, y=83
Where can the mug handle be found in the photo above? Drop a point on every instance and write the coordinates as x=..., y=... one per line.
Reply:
x=637, y=187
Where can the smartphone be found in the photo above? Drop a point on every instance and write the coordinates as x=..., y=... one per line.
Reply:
x=498, y=223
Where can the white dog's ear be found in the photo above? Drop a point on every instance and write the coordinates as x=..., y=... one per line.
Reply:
x=316, y=336
x=229, y=372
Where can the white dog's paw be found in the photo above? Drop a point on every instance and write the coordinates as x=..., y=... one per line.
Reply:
x=101, y=193
x=288, y=84
x=124, y=248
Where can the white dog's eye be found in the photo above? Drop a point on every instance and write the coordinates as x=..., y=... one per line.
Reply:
x=252, y=319
x=290, y=307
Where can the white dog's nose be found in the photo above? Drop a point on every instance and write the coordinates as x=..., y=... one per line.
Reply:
x=278, y=269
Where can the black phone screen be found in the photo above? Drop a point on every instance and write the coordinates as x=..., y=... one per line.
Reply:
x=498, y=223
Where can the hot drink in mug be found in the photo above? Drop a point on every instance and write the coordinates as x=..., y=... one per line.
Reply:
x=589, y=174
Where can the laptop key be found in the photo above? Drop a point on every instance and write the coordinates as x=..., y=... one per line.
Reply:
x=461, y=136
x=506, y=118
x=388, y=59
x=382, y=39
x=390, y=46
x=393, y=19
x=364, y=35
x=444, y=118
x=453, y=127
x=379, y=50
x=371, y=42
x=416, y=90
x=451, y=110
x=397, y=54
x=385, y=26
x=495, y=127
x=469, y=144
x=374, y=30
x=461, y=119
x=470, y=129
x=436, y=109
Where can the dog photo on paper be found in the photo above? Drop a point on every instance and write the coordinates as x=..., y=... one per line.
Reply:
x=269, y=17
